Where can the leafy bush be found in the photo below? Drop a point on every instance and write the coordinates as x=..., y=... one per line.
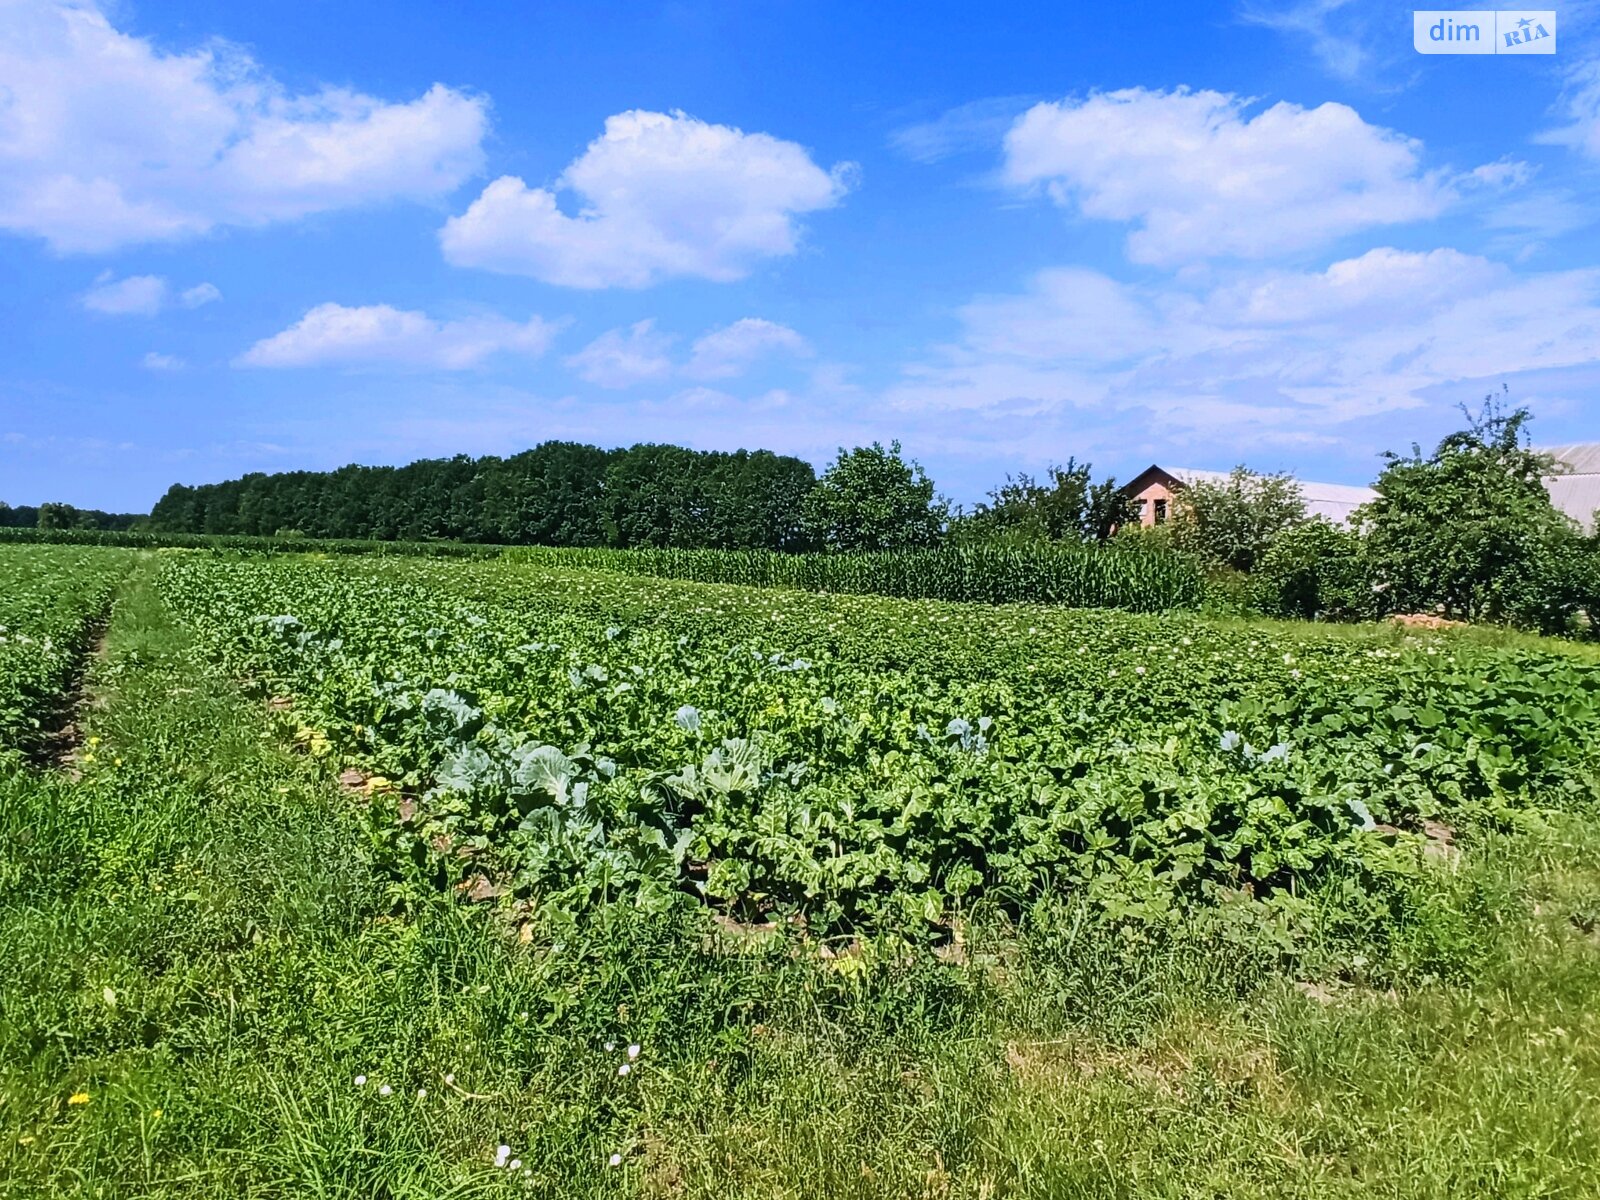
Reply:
x=1235, y=522
x=1470, y=529
x=1313, y=571
x=872, y=499
x=1066, y=506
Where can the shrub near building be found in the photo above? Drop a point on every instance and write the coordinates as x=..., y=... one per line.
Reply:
x=1470, y=530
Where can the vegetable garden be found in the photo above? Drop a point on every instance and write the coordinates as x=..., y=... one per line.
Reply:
x=400, y=876
x=571, y=737
x=50, y=599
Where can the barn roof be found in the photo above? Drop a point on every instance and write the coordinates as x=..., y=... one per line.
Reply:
x=1336, y=501
x=1580, y=458
x=1577, y=491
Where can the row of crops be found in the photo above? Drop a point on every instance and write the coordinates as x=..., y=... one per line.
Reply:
x=571, y=736
x=1137, y=577
x=50, y=599
x=149, y=539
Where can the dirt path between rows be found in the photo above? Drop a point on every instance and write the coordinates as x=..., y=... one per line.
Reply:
x=60, y=737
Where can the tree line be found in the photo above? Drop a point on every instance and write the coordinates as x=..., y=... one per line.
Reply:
x=55, y=515
x=1467, y=530
x=647, y=496
x=556, y=494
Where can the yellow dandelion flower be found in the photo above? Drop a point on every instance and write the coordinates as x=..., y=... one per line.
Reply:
x=78, y=1098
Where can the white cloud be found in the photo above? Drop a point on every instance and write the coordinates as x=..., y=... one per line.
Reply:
x=155, y=361
x=142, y=295
x=1271, y=356
x=136, y=295
x=379, y=335
x=1338, y=37
x=658, y=196
x=731, y=350
x=1199, y=179
x=621, y=358
x=977, y=125
x=106, y=140
x=200, y=293
x=1580, y=106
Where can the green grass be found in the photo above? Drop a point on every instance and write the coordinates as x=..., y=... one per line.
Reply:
x=199, y=930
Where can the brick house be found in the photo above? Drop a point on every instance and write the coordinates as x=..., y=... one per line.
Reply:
x=1155, y=489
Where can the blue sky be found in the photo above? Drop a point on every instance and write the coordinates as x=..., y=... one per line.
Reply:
x=277, y=236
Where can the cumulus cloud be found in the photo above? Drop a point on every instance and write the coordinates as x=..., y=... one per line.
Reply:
x=142, y=295
x=657, y=196
x=622, y=358
x=200, y=293
x=156, y=361
x=135, y=295
x=640, y=353
x=1281, y=355
x=733, y=349
x=379, y=335
x=1199, y=179
x=106, y=140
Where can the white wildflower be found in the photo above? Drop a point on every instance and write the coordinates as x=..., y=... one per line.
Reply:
x=615, y=1160
x=624, y=1069
x=386, y=1090
x=633, y=1050
x=502, y=1155
x=361, y=1081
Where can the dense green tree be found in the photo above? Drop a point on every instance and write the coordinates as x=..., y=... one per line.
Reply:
x=1234, y=522
x=873, y=499
x=1470, y=528
x=1067, y=505
x=1314, y=570
x=58, y=516
x=22, y=516
x=559, y=493
x=550, y=496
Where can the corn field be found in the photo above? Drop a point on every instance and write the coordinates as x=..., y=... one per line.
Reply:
x=1138, y=579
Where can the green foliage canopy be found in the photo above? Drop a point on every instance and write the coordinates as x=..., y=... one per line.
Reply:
x=1470, y=528
x=1067, y=505
x=1233, y=523
x=873, y=499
